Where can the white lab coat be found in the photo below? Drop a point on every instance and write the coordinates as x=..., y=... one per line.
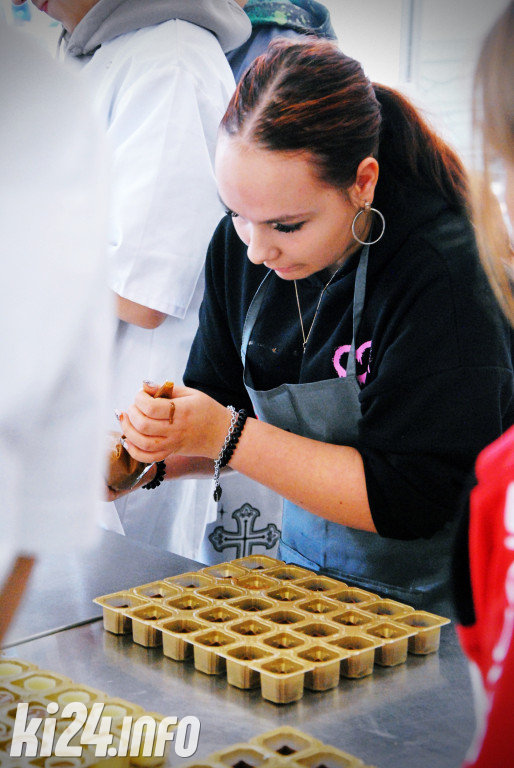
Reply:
x=161, y=92
x=56, y=316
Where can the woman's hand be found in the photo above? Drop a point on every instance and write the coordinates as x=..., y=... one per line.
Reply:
x=191, y=424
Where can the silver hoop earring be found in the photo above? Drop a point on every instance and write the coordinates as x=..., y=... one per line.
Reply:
x=367, y=208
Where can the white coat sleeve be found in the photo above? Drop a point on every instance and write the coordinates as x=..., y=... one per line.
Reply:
x=165, y=207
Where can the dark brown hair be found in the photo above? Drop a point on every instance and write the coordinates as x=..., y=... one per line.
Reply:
x=307, y=95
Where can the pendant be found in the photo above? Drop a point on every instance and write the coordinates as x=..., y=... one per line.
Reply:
x=217, y=493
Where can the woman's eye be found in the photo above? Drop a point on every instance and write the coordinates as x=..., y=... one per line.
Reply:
x=230, y=213
x=288, y=227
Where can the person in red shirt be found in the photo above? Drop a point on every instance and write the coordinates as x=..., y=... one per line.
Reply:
x=484, y=564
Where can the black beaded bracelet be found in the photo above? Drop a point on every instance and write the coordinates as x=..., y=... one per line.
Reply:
x=237, y=423
x=234, y=437
x=159, y=477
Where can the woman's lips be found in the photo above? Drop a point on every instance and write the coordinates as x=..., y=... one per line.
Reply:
x=284, y=270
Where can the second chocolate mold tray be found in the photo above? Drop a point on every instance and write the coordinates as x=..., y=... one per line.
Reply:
x=284, y=747
x=24, y=683
x=267, y=624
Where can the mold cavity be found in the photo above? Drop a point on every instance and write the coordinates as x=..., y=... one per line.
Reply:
x=283, y=641
x=221, y=594
x=248, y=654
x=286, y=750
x=214, y=640
x=350, y=620
x=317, y=655
x=318, y=630
x=285, y=594
x=217, y=615
x=416, y=621
x=252, y=604
x=284, y=617
x=281, y=667
x=353, y=643
x=185, y=603
x=182, y=627
x=317, y=607
x=36, y=710
x=252, y=628
x=255, y=582
x=385, y=632
x=120, y=602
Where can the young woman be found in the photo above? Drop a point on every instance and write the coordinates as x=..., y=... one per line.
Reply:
x=347, y=312
x=484, y=567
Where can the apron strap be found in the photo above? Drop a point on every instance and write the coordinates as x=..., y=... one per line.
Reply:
x=359, y=294
x=251, y=316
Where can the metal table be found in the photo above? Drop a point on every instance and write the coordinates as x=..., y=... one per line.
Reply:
x=61, y=590
x=417, y=715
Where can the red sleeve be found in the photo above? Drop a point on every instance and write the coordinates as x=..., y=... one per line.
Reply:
x=489, y=642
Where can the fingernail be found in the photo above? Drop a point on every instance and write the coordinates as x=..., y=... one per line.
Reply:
x=118, y=414
x=150, y=383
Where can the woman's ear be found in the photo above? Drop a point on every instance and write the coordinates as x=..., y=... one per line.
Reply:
x=363, y=188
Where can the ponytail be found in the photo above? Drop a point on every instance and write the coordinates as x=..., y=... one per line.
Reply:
x=411, y=151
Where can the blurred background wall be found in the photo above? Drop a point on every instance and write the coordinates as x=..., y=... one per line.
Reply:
x=428, y=48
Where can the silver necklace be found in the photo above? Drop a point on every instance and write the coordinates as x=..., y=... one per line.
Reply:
x=306, y=338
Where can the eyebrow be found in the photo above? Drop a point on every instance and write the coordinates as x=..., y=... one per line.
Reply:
x=278, y=220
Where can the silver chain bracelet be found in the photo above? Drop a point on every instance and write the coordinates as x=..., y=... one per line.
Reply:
x=217, y=463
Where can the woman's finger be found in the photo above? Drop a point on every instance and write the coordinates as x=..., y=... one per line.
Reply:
x=148, y=457
x=150, y=387
x=146, y=425
x=154, y=408
x=143, y=440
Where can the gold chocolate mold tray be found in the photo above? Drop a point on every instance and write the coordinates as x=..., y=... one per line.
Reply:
x=268, y=624
x=23, y=682
x=284, y=747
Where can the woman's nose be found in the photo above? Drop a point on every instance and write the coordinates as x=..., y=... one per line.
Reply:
x=260, y=247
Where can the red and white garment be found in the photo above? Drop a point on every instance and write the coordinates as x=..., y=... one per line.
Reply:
x=489, y=642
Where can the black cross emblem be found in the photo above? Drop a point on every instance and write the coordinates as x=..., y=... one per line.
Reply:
x=245, y=538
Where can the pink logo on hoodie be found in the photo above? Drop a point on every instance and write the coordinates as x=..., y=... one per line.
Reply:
x=359, y=353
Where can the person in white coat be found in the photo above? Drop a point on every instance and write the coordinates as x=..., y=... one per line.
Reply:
x=55, y=312
x=161, y=82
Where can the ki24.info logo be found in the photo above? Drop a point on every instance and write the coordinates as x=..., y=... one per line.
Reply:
x=77, y=727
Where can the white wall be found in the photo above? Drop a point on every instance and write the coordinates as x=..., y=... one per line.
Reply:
x=370, y=32
x=447, y=35
x=427, y=48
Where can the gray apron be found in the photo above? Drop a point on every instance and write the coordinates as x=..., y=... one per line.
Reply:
x=416, y=571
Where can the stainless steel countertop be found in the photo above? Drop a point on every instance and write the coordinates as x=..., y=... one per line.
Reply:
x=61, y=589
x=417, y=715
